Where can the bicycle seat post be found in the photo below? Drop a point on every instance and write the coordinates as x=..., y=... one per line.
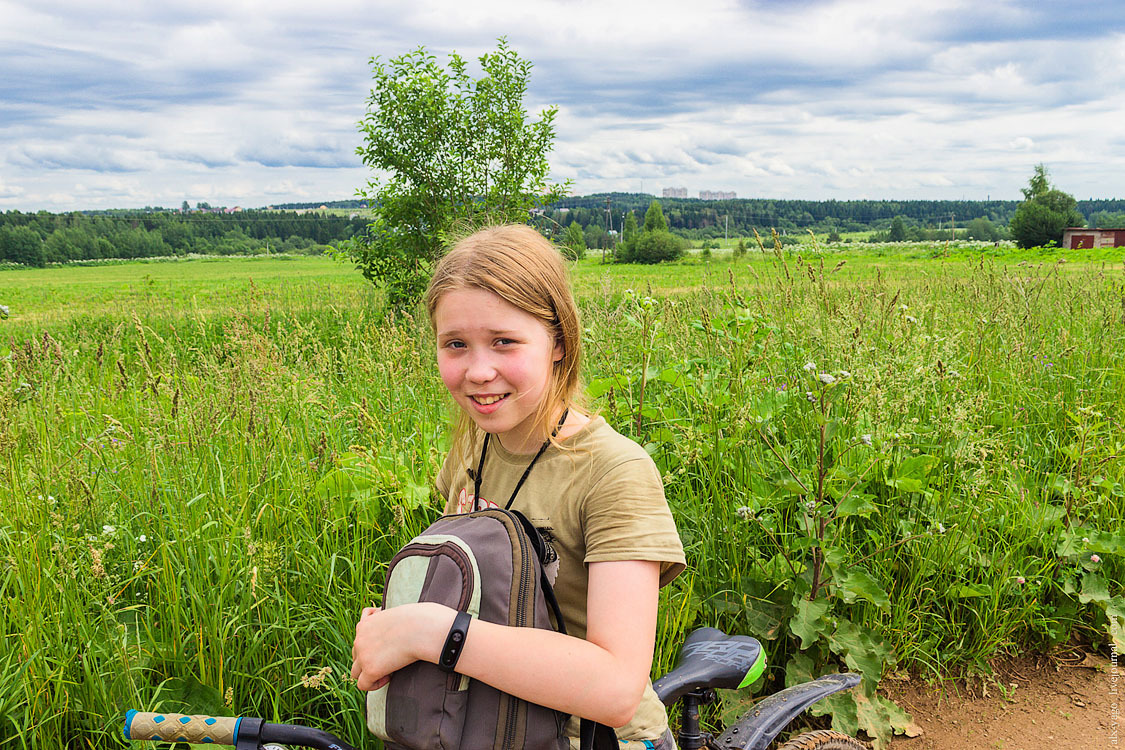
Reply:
x=689, y=737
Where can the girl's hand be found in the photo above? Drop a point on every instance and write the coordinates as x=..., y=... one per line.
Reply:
x=388, y=640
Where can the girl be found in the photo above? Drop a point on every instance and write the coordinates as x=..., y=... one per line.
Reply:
x=508, y=350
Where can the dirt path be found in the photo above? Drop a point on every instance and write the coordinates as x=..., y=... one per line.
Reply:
x=1043, y=705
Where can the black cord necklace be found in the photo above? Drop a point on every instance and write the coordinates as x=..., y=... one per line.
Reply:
x=484, y=449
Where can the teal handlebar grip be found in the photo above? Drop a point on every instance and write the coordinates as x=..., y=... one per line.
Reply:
x=147, y=725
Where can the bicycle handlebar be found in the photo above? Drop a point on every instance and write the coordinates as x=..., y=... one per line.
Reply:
x=199, y=729
x=240, y=731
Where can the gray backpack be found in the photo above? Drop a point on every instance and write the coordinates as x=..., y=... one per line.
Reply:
x=488, y=563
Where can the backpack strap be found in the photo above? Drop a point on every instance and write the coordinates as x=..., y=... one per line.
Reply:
x=592, y=735
x=595, y=736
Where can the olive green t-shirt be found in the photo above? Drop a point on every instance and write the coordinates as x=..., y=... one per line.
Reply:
x=601, y=499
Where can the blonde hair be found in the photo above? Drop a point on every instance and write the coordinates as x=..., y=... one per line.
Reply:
x=519, y=265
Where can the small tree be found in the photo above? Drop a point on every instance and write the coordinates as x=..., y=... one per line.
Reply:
x=630, y=229
x=655, y=243
x=459, y=153
x=654, y=218
x=898, y=230
x=629, y=234
x=1044, y=213
x=656, y=247
x=574, y=240
x=981, y=228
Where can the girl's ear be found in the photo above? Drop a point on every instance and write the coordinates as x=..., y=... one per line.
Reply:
x=557, y=355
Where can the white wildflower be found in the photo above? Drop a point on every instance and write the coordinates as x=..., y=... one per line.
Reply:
x=810, y=367
x=1085, y=540
x=744, y=512
x=911, y=319
x=827, y=379
x=865, y=439
x=107, y=529
x=142, y=538
x=810, y=396
x=845, y=374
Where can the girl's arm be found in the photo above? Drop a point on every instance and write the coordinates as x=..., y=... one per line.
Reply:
x=600, y=678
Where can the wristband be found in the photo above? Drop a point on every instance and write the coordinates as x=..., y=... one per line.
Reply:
x=454, y=642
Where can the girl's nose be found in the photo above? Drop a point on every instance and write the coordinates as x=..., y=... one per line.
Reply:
x=480, y=369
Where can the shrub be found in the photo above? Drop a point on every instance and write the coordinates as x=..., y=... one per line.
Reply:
x=656, y=247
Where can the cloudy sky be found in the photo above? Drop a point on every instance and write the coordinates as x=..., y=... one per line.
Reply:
x=240, y=102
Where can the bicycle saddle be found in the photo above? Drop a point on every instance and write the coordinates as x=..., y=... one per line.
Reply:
x=712, y=659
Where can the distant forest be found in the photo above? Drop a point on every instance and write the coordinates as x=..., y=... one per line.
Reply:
x=40, y=238
x=36, y=239
x=699, y=219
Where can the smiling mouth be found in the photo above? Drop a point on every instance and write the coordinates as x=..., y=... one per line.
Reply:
x=487, y=400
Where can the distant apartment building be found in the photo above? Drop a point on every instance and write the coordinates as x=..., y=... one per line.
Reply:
x=675, y=192
x=716, y=195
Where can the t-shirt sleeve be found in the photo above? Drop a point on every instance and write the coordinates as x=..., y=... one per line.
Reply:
x=627, y=518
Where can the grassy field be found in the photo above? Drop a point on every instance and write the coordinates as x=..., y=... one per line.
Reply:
x=879, y=458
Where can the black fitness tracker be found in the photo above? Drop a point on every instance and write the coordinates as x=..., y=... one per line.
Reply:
x=454, y=642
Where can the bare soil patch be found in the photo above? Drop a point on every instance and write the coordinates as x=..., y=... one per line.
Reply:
x=1032, y=703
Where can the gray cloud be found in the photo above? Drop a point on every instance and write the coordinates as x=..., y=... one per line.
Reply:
x=246, y=103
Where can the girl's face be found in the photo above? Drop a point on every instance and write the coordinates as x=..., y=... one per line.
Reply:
x=496, y=361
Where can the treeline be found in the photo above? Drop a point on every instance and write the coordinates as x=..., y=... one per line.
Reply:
x=698, y=219
x=36, y=239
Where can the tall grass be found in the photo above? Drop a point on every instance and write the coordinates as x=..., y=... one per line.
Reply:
x=202, y=478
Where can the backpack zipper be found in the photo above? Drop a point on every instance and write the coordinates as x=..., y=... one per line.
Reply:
x=527, y=584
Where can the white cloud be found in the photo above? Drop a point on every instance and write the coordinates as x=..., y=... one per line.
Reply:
x=10, y=191
x=246, y=102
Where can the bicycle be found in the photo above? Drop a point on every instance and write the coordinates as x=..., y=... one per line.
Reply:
x=709, y=660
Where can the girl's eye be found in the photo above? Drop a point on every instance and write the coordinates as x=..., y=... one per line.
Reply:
x=505, y=342
x=454, y=344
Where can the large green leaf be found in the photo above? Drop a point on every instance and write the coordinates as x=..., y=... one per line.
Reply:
x=882, y=719
x=862, y=651
x=351, y=474
x=601, y=386
x=189, y=696
x=809, y=623
x=1094, y=589
x=1115, y=611
x=857, y=504
x=1105, y=542
x=799, y=669
x=916, y=467
x=857, y=583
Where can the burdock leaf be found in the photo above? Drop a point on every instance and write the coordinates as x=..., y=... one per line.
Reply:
x=882, y=719
x=808, y=623
x=1094, y=589
x=858, y=584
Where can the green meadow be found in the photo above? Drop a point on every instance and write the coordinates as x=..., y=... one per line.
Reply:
x=884, y=459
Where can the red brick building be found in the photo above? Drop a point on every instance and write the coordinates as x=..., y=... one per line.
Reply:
x=1076, y=237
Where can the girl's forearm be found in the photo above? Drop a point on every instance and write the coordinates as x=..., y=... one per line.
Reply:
x=541, y=666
